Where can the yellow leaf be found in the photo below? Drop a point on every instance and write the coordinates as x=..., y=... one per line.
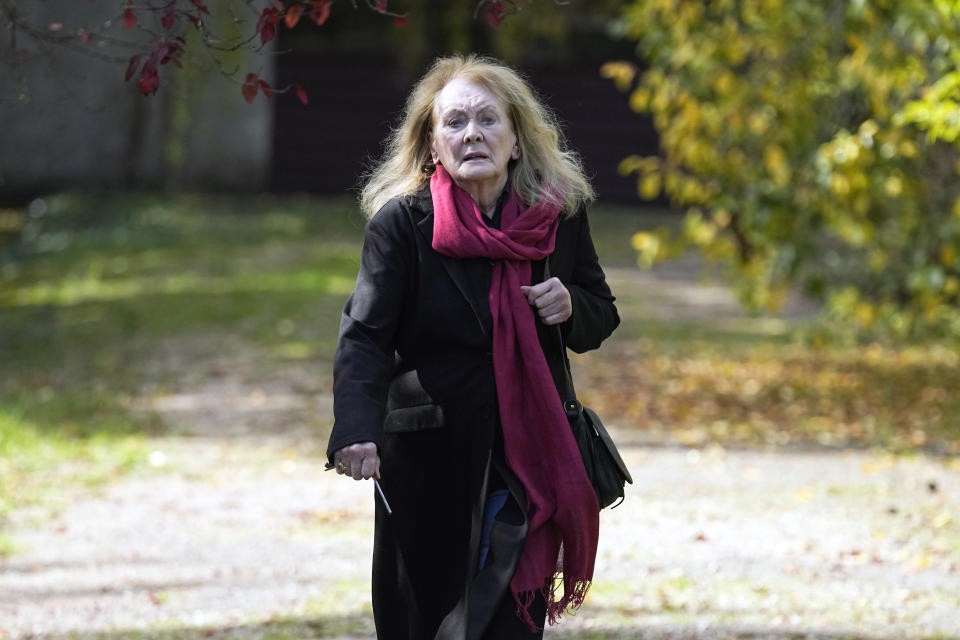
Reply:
x=948, y=255
x=643, y=241
x=921, y=561
x=840, y=185
x=758, y=123
x=629, y=164
x=649, y=186
x=943, y=519
x=647, y=246
x=640, y=99
x=869, y=128
x=893, y=186
x=722, y=218
x=622, y=73
x=864, y=314
x=804, y=495
x=723, y=82
x=776, y=163
x=951, y=286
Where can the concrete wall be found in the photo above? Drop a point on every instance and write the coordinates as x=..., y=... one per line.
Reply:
x=70, y=120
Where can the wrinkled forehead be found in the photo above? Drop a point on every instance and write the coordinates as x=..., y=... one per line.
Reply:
x=464, y=94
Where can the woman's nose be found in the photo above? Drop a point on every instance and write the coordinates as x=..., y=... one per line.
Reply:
x=472, y=132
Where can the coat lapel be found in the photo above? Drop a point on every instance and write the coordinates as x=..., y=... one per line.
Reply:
x=455, y=268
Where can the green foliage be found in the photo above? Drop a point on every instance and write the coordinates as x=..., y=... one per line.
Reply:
x=94, y=286
x=811, y=142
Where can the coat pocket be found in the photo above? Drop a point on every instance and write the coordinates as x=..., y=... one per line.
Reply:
x=409, y=407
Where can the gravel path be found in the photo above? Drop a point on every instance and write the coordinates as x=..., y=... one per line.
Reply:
x=249, y=539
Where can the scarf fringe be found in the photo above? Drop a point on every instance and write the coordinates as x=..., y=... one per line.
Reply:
x=573, y=597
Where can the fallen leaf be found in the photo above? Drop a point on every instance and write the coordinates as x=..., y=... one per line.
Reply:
x=942, y=519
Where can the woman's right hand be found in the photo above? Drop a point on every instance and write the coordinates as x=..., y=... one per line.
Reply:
x=360, y=461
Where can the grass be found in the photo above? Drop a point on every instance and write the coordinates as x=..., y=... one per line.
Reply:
x=98, y=283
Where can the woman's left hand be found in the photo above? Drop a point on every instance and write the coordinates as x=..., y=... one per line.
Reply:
x=551, y=300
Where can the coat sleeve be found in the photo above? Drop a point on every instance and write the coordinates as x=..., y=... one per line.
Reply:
x=364, y=361
x=594, y=315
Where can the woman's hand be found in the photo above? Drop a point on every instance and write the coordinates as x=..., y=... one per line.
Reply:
x=551, y=300
x=359, y=461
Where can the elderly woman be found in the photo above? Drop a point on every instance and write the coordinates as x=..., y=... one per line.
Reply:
x=449, y=361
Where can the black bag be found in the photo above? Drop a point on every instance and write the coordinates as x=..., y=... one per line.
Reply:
x=605, y=467
x=602, y=461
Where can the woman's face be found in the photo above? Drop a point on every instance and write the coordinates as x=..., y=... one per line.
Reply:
x=472, y=136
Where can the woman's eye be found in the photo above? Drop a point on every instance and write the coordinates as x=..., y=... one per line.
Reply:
x=455, y=122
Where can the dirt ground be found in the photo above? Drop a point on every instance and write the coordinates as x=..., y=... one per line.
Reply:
x=233, y=530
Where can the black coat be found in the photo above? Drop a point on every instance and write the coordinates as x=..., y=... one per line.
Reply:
x=413, y=372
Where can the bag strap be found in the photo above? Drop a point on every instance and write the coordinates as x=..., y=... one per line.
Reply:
x=571, y=405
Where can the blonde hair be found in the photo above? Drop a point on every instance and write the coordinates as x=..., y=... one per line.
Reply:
x=546, y=168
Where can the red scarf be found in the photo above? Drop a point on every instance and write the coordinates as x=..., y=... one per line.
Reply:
x=562, y=509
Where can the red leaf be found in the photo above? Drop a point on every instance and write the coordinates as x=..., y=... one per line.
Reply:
x=268, y=33
x=149, y=80
x=166, y=51
x=129, y=19
x=161, y=53
x=320, y=11
x=199, y=5
x=293, y=15
x=400, y=21
x=301, y=94
x=132, y=67
x=168, y=17
x=55, y=26
x=194, y=19
x=84, y=35
x=495, y=13
x=279, y=4
x=265, y=87
x=380, y=5
x=250, y=87
x=266, y=26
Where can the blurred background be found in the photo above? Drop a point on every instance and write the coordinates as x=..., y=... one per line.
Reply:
x=778, y=216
